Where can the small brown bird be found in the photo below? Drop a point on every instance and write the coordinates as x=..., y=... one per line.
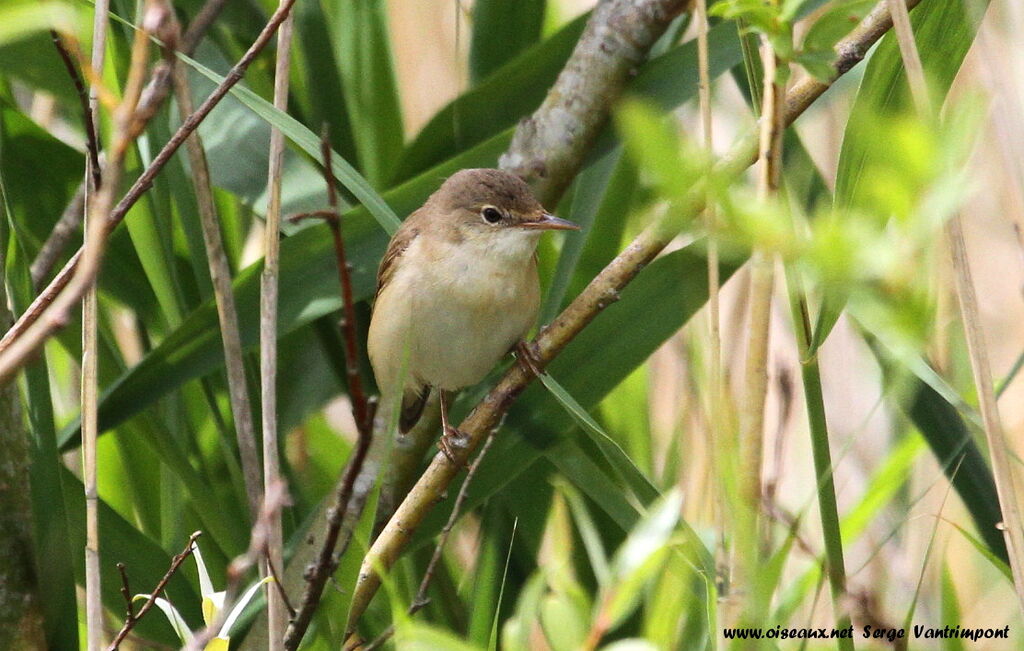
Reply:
x=456, y=291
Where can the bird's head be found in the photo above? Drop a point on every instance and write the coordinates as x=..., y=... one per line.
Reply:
x=495, y=210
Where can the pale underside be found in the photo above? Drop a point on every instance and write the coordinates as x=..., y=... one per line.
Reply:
x=452, y=316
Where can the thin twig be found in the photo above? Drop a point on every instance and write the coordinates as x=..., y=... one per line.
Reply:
x=58, y=238
x=421, y=600
x=276, y=576
x=269, y=283
x=50, y=310
x=362, y=410
x=126, y=592
x=360, y=402
x=594, y=298
x=92, y=145
x=460, y=499
x=132, y=620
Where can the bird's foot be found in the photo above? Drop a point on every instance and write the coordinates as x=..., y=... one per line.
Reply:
x=451, y=441
x=528, y=355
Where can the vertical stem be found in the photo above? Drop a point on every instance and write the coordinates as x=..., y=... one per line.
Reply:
x=276, y=614
x=717, y=392
x=911, y=59
x=826, y=488
x=220, y=276
x=756, y=370
x=721, y=444
x=90, y=389
x=1002, y=468
x=998, y=446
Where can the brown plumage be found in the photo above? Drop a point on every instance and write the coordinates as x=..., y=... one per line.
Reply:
x=457, y=287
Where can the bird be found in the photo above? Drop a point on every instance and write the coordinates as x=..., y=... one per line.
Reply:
x=457, y=290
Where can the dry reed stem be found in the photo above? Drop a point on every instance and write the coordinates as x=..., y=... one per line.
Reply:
x=1002, y=468
x=749, y=534
x=269, y=281
x=224, y=297
x=90, y=358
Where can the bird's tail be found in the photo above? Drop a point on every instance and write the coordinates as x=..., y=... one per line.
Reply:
x=412, y=408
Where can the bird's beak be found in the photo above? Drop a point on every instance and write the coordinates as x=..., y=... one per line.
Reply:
x=551, y=223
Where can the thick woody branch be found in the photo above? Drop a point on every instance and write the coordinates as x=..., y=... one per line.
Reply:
x=47, y=314
x=548, y=147
x=603, y=289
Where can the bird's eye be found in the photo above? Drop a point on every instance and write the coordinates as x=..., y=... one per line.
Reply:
x=491, y=215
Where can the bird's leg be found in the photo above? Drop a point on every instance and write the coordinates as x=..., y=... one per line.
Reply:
x=451, y=437
x=528, y=356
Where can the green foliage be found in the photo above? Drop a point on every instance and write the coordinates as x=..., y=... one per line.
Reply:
x=606, y=552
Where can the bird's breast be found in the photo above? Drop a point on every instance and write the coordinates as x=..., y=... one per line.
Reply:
x=463, y=311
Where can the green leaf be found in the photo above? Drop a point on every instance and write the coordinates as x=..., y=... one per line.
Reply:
x=623, y=466
x=362, y=48
x=961, y=461
x=944, y=31
x=996, y=562
x=592, y=190
x=24, y=143
x=316, y=77
x=950, y=609
x=588, y=532
x=640, y=556
x=310, y=143
x=19, y=19
x=501, y=30
x=564, y=626
x=27, y=52
x=236, y=141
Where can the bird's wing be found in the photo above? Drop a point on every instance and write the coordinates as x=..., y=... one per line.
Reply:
x=396, y=247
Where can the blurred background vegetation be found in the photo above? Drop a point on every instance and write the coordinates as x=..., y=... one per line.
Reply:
x=600, y=514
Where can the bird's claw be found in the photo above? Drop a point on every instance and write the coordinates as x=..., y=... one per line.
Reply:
x=452, y=439
x=528, y=356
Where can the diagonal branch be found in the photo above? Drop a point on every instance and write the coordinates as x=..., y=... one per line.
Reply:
x=548, y=147
x=554, y=338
